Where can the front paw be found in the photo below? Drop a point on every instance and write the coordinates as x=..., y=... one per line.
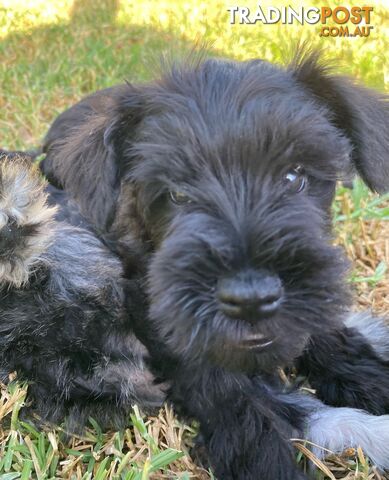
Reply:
x=366, y=392
x=199, y=453
x=346, y=371
x=253, y=453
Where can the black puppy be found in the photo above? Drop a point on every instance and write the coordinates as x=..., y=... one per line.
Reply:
x=63, y=324
x=215, y=184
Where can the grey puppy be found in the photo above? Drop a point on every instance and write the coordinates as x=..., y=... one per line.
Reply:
x=63, y=323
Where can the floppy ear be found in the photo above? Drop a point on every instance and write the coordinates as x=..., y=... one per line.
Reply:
x=362, y=114
x=85, y=151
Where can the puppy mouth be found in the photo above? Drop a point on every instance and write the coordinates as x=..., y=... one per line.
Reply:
x=255, y=342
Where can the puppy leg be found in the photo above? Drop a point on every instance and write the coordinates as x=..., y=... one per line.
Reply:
x=337, y=429
x=350, y=367
x=59, y=390
x=244, y=427
x=124, y=382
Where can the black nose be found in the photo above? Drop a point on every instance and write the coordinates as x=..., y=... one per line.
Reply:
x=250, y=294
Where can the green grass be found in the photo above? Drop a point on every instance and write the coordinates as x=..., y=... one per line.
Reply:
x=52, y=54
x=28, y=452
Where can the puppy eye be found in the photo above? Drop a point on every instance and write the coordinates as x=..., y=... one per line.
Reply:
x=296, y=179
x=179, y=198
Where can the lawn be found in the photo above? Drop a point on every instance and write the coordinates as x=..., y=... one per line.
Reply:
x=54, y=52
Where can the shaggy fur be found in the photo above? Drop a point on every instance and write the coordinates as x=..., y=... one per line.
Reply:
x=349, y=367
x=63, y=325
x=374, y=329
x=24, y=221
x=336, y=429
x=214, y=184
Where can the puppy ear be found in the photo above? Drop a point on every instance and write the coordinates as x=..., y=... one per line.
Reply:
x=85, y=149
x=362, y=114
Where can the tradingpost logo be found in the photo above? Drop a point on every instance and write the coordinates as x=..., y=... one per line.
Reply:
x=334, y=22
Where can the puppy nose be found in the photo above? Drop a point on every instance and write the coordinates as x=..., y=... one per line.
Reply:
x=250, y=295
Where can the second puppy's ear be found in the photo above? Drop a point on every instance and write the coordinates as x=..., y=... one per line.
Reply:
x=362, y=114
x=85, y=150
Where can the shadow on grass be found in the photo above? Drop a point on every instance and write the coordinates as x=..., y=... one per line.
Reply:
x=45, y=69
x=85, y=10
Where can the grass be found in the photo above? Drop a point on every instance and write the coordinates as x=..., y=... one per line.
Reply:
x=132, y=454
x=52, y=54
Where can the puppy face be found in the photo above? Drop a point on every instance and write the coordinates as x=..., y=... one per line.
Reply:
x=235, y=171
x=24, y=218
x=216, y=181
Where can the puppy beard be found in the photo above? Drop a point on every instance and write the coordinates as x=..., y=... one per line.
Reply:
x=183, y=276
x=257, y=349
x=25, y=220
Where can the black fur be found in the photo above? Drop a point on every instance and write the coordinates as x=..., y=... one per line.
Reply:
x=345, y=371
x=66, y=330
x=199, y=178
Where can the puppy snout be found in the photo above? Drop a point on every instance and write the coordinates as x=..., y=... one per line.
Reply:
x=250, y=295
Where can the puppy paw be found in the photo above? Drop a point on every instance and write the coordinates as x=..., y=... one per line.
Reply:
x=337, y=429
x=199, y=453
x=348, y=367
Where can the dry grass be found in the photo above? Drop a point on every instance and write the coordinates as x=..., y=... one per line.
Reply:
x=366, y=241
x=53, y=53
